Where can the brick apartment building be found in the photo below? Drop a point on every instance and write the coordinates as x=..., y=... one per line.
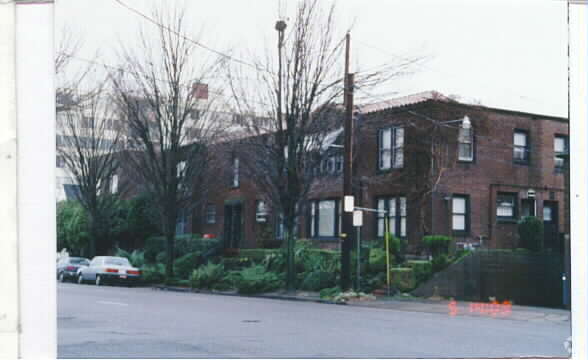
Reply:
x=488, y=173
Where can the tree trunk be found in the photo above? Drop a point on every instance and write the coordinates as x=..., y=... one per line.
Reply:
x=290, y=260
x=169, y=248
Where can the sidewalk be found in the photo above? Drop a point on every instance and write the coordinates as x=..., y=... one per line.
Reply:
x=451, y=308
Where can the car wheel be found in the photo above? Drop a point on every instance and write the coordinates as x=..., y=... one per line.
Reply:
x=98, y=280
x=61, y=278
x=80, y=279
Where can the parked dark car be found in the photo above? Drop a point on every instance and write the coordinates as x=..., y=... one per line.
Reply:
x=109, y=269
x=68, y=267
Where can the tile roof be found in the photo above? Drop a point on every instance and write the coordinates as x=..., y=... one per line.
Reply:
x=404, y=101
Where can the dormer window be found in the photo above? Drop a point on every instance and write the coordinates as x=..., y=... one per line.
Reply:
x=466, y=141
x=391, y=148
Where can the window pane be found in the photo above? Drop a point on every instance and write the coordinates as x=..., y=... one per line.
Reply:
x=386, y=139
x=505, y=206
x=398, y=137
x=380, y=227
x=398, y=158
x=465, y=151
x=386, y=157
x=519, y=153
x=327, y=218
x=520, y=139
x=559, y=145
x=403, y=226
x=381, y=207
x=547, y=213
x=459, y=205
x=459, y=222
x=402, y=206
x=392, y=207
x=312, y=218
x=392, y=225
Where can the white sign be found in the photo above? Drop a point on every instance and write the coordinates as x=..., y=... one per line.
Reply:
x=348, y=205
x=358, y=218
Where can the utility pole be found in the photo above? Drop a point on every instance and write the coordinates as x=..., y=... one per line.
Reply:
x=347, y=218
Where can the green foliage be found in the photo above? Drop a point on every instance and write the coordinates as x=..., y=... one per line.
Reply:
x=136, y=257
x=437, y=244
x=440, y=262
x=377, y=260
x=317, y=280
x=329, y=293
x=236, y=263
x=257, y=255
x=530, y=231
x=153, y=273
x=255, y=279
x=461, y=254
x=136, y=220
x=275, y=261
x=183, y=244
x=209, y=276
x=72, y=227
x=403, y=278
x=161, y=257
x=185, y=265
x=422, y=269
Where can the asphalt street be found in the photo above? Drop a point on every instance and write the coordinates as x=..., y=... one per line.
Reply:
x=121, y=322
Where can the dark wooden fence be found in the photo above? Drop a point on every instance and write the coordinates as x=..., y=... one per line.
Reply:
x=524, y=278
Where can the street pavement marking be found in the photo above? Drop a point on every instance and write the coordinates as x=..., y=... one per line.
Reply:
x=111, y=303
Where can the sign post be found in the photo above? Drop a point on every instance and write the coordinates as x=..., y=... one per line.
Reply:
x=358, y=222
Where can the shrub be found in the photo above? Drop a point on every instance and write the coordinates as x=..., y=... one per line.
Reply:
x=209, y=276
x=136, y=258
x=257, y=255
x=183, y=244
x=440, y=262
x=422, y=269
x=317, y=280
x=153, y=273
x=255, y=279
x=236, y=263
x=161, y=257
x=185, y=265
x=403, y=278
x=377, y=260
x=530, y=231
x=329, y=293
x=437, y=244
x=275, y=261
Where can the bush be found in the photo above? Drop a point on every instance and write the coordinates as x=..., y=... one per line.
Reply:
x=257, y=255
x=530, y=231
x=256, y=279
x=236, y=263
x=184, y=244
x=440, y=262
x=377, y=260
x=161, y=257
x=317, y=280
x=136, y=258
x=422, y=269
x=185, y=265
x=403, y=278
x=153, y=273
x=209, y=276
x=329, y=293
x=275, y=261
x=437, y=244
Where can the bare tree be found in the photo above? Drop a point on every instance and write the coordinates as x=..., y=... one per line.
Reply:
x=69, y=92
x=170, y=126
x=88, y=141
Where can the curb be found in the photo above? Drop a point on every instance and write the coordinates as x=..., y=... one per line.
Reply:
x=272, y=297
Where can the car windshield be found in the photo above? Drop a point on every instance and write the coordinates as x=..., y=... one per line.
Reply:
x=79, y=261
x=117, y=261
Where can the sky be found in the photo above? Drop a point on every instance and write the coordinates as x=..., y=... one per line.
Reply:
x=505, y=54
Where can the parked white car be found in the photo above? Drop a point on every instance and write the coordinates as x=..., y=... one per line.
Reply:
x=109, y=269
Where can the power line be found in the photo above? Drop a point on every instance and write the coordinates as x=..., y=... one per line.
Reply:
x=197, y=43
x=123, y=70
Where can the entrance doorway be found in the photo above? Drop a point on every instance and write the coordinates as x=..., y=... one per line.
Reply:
x=233, y=225
x=550, y=225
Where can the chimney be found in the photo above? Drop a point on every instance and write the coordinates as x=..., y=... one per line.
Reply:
x=200, y=91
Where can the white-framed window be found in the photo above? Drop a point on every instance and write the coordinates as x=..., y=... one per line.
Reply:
x=521, y=146
x=395, y=209
x=466, y=144
x=506, y=206
x=211, y=214
x=332, y=165
x=391, y=148
x=261, y=211
x=235, y=172
x=60, y=161
x=460, y=213
x=114, y=184
x=560, y=147
x=324, y=218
